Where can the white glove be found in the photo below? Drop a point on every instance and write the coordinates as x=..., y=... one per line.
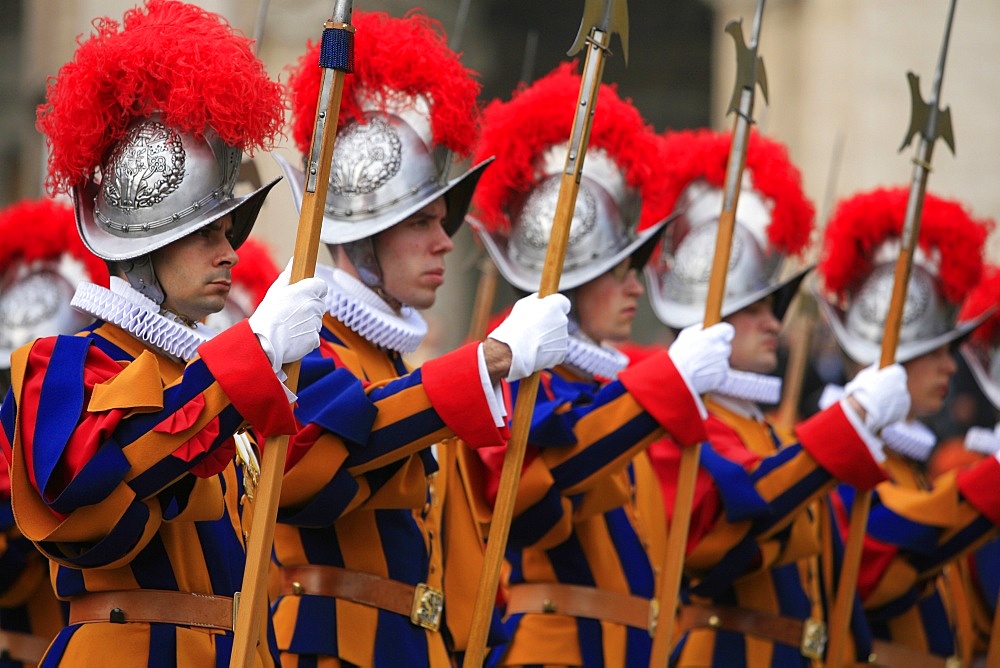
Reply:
x=536, y=333
x=702, y=355
x=882, y=393
x=289, y=318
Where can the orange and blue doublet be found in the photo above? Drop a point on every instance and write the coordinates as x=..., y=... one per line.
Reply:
x=762, y=543
x=123, y=475
x=30, y=614
x=366, y=501
x=981, y=577
x=915, y=530
x=589, y=516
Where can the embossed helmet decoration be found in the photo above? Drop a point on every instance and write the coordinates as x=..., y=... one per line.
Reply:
x=407, y=107
x=146, y=127
x=774, y=220
x=857, y=269
x=42, y=259
x=620, y=209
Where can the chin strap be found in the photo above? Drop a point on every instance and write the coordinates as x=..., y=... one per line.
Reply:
x=361, y=253
x=141, y=276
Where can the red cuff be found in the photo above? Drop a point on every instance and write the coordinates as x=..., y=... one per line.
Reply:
x=979, y=485
x=244, y=373
x=455, y=391
x=832, y=441
x=659, y=388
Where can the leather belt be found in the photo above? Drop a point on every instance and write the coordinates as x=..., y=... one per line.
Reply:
x=809, y=635
x=893, y=654
x=422, y=603
x=580, y=601
x=23, y=647
x=154, y=605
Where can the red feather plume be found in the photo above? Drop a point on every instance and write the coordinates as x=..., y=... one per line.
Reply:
x=171, y=57
x=406, y=55
x=540, y=116
x=256, y=270
x=43, y=230
x=703, y=154
x=862, y=223
x=984, y=296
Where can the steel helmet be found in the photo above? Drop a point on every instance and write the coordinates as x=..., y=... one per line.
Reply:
x=143, y=131
x=42, y=260
x=857, y=272
x=407, y=108
x=981, y=347
x=773, y=221
x=620, y=209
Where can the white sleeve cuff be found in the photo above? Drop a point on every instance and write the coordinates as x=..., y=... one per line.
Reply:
x=282, y=376
x=874, y=443
x=494, y=395
x=702, y=411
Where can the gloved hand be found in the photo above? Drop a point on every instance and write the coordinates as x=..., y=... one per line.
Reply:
x=882, y=393
x=288, y=319
x=702, y=355
x=536, y=333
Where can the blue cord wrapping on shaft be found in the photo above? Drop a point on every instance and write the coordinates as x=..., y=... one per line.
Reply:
x=336, y=51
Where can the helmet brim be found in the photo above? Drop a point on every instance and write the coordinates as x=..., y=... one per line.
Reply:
x=115, y=248
x=978, y=366
x=457, y=193
x=866, y=352
x=679, y=316
x=528, y=280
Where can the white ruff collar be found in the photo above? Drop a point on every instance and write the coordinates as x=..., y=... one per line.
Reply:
x=748, y=386
x=363, y=311
x=140, y=316
x=597, y=361
x=982, y=440
x=911, y=439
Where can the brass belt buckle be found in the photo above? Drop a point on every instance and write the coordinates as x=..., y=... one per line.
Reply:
x=236, y=608
x=428, y=603
x=654, y=616
x=813, y=639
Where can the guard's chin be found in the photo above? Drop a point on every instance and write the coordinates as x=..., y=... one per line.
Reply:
x=424, y=300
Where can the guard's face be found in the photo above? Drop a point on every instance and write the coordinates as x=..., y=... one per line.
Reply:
x=755, y=345
x=411, y=256
x=927, y=379
x=195, y=272
x=606, y=306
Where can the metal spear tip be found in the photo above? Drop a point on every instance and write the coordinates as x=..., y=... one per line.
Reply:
x=609, y=16
x=927, y=119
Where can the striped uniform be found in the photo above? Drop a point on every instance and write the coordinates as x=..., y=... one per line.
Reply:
x=589, y=512
x=981, y=577
x=914, y=531
x=762, y=536
x=364, y=492
x=106, y=435
x=30, y=614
